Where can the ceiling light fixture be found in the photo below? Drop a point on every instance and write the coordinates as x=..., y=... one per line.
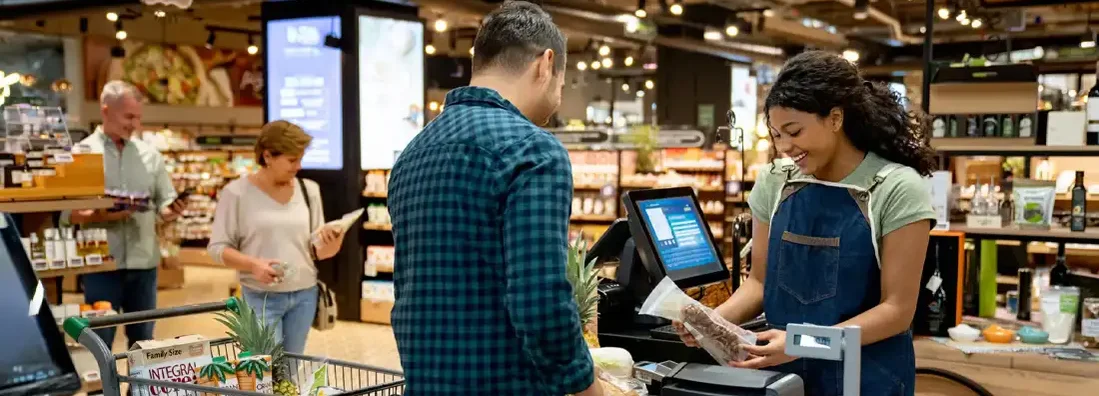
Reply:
x=732, y=30
x=640, y=94
x=119, y=32
x=961, y=16
x=640, y=12
x=625, y=87
x=1088, y=41
x=649, y=84
x=944, y=13
x=976, y=23
x=676, y=9
x=851, y=55
x=862, y=9
x=160, y=13
x=441, y=25
x=581, y=66
x=628, y=61
x=471, y=51
x=429, y=49
x=595, y=65
x=604, y=50
x=252, y=48
x=112, y=16
x=210, y=39
x=711, y=34
x=433, y=106
x=607, y=63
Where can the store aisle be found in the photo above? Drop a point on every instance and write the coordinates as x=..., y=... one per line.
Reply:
x=350, y=341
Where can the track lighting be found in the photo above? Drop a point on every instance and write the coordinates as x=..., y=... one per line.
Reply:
x=604, y=50
x=441, y=25
x=676, y=9
x=732, y=30
x=625, y=87
x=976, y=23
x=628, y=61
x=595, y=65
x=252, y=48
x=944, y=13
x=119, y=32
x=649, y=84
x=210, y=39
x=429, y=49
x=640, y=12
x=862, y=9
x=851, y=55
x=581, y=66
x=112, y=16
x=607, y=63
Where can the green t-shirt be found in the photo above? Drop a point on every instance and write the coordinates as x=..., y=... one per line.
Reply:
x=903, y=198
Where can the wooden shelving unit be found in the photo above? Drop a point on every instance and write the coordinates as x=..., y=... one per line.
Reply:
x=1055, y=234
x=107, y=266
x=76, y=203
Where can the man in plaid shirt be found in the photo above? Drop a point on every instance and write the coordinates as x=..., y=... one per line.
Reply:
x=480, y=204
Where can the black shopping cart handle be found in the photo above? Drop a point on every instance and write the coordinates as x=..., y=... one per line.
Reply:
x=75, y=326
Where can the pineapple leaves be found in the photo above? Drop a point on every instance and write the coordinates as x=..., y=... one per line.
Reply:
x=584, y=280
x=248, y=330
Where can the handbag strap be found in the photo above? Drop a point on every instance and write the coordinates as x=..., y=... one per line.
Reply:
x=308, y=207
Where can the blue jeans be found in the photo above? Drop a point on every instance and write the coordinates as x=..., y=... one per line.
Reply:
x=127, y=291
x=291, y=313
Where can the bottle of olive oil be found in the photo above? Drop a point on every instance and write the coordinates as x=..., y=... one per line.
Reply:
x=1079, y=220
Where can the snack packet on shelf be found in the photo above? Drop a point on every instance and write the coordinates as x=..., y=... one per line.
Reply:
x=718, y=337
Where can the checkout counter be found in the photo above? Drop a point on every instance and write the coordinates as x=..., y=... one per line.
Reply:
x=666, y=236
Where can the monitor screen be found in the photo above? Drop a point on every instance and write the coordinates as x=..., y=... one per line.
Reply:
x=305, y=85
x=677, y=232
x=391, y=87
x=35, y=359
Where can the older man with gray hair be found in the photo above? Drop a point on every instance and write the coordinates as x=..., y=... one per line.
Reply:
x=135, y=167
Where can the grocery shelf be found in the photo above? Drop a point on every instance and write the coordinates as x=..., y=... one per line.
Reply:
x=1054, y=234
x=378, y=227
x=945, y=147
x=695, y=169
x=589, y=186
x=594, y=218
x=107, y=266
x=80, y=203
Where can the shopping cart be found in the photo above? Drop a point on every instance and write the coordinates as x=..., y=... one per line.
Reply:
x=353, y=378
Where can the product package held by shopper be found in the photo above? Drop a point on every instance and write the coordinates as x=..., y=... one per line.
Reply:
x=721, y=339
x=176, y=360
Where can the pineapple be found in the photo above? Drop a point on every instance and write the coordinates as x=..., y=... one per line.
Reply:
x=585, y=281
x=248, y=330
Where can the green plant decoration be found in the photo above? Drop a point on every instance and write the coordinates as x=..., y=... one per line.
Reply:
x=248, y=330
x=643, y=137
x=584, y=280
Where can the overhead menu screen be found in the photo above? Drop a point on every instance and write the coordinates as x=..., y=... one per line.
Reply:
x=304, y=85
x=391, y=87
x=675, y=226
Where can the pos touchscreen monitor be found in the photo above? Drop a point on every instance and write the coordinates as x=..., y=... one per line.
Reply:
x=34, y=360
x=672, y=235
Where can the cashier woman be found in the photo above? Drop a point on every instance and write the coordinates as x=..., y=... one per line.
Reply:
x=840, y=224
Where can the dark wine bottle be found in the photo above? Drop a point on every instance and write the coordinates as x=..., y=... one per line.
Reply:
x=1092, y=113
x=1079, y=220
x=1058, y=275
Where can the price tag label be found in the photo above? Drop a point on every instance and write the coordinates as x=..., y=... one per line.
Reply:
x=934, y=283
x=370, y=268
x=63, y=158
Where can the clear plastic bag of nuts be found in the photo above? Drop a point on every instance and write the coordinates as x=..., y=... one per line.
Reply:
x=717, y=336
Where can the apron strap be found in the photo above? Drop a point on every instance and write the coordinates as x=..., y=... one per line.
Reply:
x=880, y=176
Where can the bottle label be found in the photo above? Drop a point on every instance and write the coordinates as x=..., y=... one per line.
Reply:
x=40, y=265
x=1093, y=115
x=93, y=259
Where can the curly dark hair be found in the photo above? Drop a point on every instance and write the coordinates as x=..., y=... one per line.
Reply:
x=874, y=119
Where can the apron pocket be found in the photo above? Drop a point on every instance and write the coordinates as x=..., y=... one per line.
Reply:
x=808, y=266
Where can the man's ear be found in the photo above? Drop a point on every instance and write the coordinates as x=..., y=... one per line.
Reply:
x=545, y=64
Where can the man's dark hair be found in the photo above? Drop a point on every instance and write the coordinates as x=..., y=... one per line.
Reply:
x=513, y=35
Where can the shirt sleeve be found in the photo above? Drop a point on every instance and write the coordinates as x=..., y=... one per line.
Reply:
x=765, y=191
x=164, y=191
x=535, y=231
x=225, y=232
x=907, y=200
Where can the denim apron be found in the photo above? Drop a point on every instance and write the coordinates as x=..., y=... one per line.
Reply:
x=823, y=267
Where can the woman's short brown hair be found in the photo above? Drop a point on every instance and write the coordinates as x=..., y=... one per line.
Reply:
x=281, y=137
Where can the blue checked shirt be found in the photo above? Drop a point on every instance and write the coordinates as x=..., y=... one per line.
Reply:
x=480, y=204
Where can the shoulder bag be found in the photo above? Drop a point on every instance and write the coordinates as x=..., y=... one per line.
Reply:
x=325, y=318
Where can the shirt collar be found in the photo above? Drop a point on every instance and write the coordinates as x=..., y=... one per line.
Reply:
x=480, y=95
x=107, y=142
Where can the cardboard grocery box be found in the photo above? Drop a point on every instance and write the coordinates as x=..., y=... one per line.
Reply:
x=173, y=360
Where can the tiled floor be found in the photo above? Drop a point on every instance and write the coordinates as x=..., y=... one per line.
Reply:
x=350, y=341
